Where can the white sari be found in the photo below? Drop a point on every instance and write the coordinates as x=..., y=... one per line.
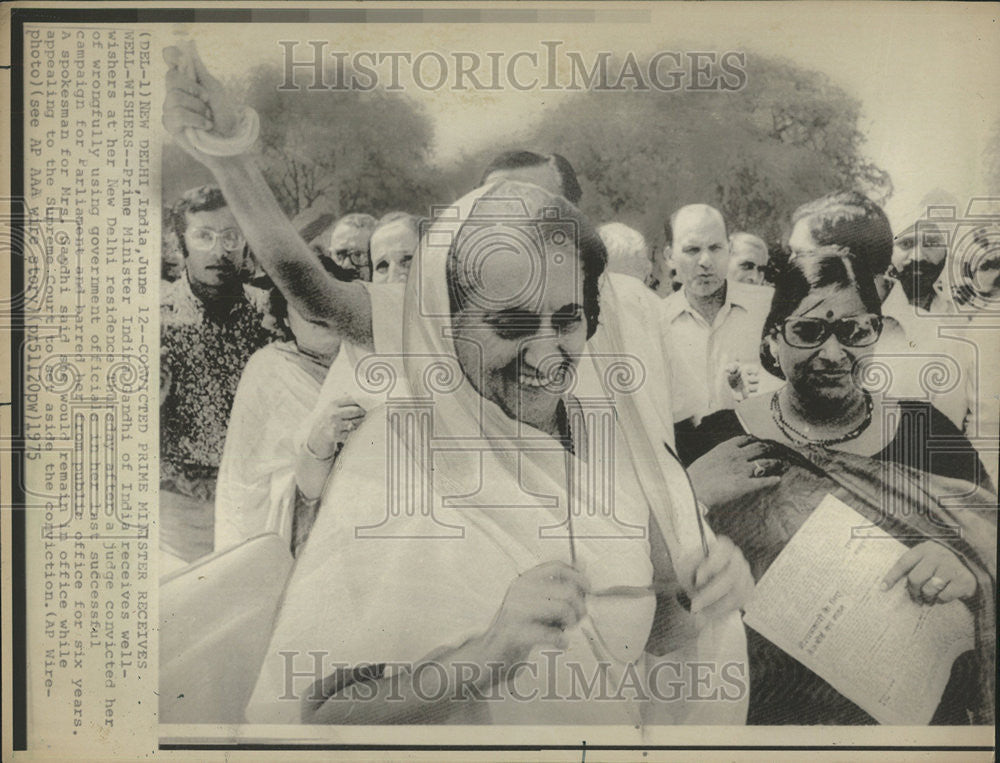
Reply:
x=255, y=492
x=440, y=500
x=280, y=395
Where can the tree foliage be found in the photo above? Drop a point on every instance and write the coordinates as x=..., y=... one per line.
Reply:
x=343, y=151
x=788, y=137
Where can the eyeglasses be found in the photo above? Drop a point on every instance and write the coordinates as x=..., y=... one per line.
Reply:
x=357, y=257
x=807, y=333
x=205, y=238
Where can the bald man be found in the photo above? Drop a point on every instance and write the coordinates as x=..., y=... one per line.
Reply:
x=711, y=327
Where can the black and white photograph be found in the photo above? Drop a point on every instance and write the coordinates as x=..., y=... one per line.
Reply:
x=602, y=379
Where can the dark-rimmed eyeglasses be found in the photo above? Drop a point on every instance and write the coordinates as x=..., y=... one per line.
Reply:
x=808, y=333
x=357, y=257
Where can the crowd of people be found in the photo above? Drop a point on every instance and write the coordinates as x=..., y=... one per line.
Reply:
x=485, y=508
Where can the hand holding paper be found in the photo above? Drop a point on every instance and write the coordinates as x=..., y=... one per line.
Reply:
x=933, y=573
x=821, y=601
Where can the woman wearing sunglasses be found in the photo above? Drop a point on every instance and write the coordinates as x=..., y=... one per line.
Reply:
x=823, y=432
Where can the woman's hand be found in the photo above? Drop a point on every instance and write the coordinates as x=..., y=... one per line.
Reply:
x=739, y=467
x=333, y=426
x=722, y=581
x=540, y=605
x=195, y=99
x=331, y=429
x=933, y=574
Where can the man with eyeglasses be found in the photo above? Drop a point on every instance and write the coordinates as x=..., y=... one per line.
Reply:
x=210, y=325
x=349, y=244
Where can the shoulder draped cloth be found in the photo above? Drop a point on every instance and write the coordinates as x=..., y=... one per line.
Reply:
x=440, y=500
x=911, y=505
x=255, y=492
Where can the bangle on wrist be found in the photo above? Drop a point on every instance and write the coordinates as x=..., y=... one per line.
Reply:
x=239, y=143
x=309, y=451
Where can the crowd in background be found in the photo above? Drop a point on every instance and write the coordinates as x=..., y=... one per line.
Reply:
x=220, y=308
x=773, y=374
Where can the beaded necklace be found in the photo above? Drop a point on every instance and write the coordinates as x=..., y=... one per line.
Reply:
x=793, y=434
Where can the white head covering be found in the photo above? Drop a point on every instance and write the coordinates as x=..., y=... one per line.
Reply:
x=440, y=500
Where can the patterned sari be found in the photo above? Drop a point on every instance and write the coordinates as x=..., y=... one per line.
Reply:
x=911, y=505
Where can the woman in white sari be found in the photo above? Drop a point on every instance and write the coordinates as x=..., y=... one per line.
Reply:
x=266, y=476
x=508, y=529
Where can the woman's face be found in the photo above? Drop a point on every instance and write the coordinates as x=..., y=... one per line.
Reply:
x=523, y=327
x=393, y=247
x=823, y=375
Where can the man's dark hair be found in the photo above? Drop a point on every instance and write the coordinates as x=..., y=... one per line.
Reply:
x=514, y=160
x=850, y=220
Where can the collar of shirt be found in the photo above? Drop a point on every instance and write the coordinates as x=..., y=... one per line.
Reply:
x=896, y=304
x=898, y=307
x=737, y=296
x=186, y=305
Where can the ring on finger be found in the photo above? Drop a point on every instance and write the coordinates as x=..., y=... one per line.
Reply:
x=936, y=584
x=758, y=471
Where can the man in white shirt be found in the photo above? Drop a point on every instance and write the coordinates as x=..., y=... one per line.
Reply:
x=918, y=259
x=711, y=327
x=923, y=310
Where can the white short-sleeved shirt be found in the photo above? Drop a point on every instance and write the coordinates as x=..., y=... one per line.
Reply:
x=698, y=353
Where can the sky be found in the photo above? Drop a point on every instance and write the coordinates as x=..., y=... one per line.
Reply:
x=926, y=73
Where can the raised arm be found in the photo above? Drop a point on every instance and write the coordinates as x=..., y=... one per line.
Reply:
x=196, y=99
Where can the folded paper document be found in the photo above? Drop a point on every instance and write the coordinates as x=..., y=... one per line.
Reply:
x=820, y=601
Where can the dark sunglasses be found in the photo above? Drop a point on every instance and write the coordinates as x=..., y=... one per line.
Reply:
x=807, y=333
